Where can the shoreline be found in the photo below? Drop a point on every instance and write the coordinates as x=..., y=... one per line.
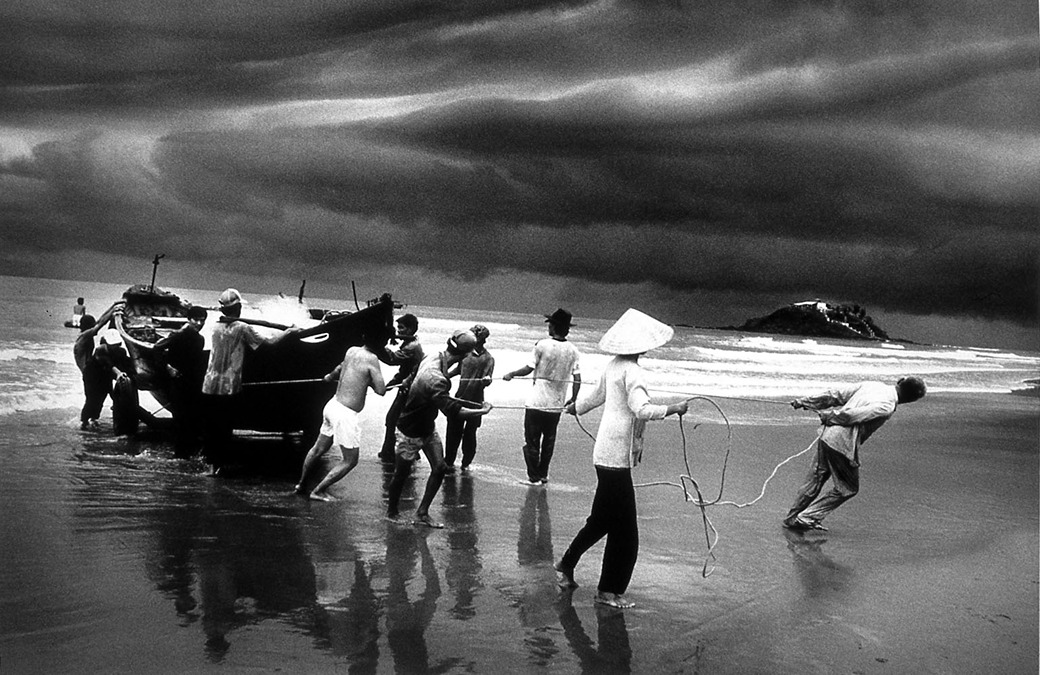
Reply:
x=932, y=567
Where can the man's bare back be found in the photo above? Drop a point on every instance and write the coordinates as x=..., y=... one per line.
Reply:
x=359, y=371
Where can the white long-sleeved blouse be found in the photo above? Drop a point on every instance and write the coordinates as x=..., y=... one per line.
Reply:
x=626, y=408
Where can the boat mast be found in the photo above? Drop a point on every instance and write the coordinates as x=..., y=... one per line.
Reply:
x=155, y=268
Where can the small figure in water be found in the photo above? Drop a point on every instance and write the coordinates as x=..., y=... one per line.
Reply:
x=849, y=415
x=79, y=310
x=359, y=372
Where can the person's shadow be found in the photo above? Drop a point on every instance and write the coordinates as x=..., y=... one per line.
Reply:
x=534, y=543
x=407, y=621
x=463, y=573
x=611, y=653
x=537, y=589
x=346, y=615
x=819, y=575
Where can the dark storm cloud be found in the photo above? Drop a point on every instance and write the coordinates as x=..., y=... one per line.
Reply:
x=883, y=152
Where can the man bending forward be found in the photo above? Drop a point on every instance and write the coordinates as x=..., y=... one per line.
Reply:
x=339, y=427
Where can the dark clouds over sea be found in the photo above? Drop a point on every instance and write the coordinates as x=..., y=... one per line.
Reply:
x=705, y=161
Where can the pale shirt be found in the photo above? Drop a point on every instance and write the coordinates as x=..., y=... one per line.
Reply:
x=862, y=409
x=555, y=363
x=224, y=373
x=626, y=408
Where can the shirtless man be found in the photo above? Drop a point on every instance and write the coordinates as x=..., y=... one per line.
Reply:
x=359, y=371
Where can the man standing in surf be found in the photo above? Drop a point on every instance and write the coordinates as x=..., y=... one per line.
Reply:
x=554, y=363
x=359, y=372
x=849, y=415
x=222, y=385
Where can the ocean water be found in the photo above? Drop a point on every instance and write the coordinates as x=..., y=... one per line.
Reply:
x=37, y=371
x=120, y=557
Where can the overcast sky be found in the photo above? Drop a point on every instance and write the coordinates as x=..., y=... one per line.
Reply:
x=705, y=161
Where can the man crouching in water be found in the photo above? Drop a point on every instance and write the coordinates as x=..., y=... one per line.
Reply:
x=339, y=427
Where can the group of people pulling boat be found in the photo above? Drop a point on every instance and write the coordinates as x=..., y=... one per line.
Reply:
x=207, y=396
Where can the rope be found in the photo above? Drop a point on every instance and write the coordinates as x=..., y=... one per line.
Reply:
x=263, y=384
x=711, y=534
x=654, y=389
x=524, y=377
x=713, y=396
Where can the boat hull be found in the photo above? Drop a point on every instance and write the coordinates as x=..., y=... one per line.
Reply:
x=282, y=388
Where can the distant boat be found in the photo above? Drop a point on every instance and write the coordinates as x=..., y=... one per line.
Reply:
x=282, y=388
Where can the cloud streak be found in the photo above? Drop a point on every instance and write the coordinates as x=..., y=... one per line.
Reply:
x=864, y=152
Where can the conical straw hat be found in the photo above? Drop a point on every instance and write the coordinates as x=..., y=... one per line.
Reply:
x=635, y=333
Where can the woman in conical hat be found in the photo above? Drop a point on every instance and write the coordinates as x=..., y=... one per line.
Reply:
x=619, y=446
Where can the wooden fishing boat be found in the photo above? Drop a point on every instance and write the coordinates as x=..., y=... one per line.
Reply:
x=282, y=387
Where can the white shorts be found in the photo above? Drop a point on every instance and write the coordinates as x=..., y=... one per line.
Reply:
x=341, y=423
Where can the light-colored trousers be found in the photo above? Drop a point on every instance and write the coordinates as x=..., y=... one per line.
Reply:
x=827, y=464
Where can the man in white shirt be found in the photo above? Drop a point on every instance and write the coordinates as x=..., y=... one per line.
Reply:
x=554, y=363
x=850, y=415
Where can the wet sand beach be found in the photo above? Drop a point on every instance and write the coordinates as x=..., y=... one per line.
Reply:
x=118, y=557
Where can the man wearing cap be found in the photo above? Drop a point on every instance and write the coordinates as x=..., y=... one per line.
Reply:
x=223, y=380
x=475, y=373
x=554, y=363
x=849, y=415
x=408, y=356
x=416, y=429
x=618, y=449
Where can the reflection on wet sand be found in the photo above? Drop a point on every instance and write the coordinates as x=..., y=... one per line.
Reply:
x=248, y=568
x=347, y=611
x=534, y=543
x=611, y=653
x=223, y=562
x=348, y=624
x=463, y=572
x=818, y=574
x=407, y=621
x=534, y=553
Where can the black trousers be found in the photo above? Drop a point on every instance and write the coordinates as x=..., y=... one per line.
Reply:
x=97, y=386
x=387, y=452
x=218, y=431
x=460, y=431
x=614, y=517
x=539, y=441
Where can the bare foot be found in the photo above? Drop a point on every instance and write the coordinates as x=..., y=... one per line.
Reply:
x=298, y=489
x=321, y=496
x=613, y=600
x=425, y=521
x=566, y=576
